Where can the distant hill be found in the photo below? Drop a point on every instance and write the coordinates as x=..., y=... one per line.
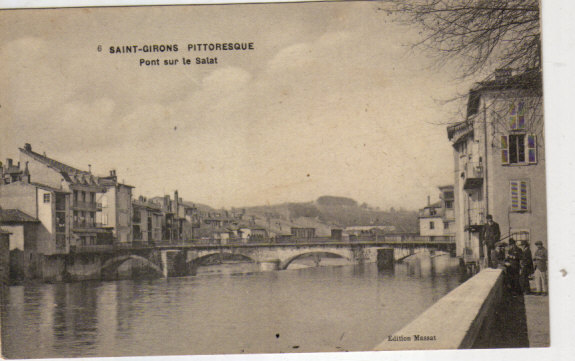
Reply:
x=330, y=201
x=326, y=213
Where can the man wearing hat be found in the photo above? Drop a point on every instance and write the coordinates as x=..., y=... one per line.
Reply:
x=491, y=235
x=540, y=261
x=514, y=255
x=526, y=264
x=498, y=256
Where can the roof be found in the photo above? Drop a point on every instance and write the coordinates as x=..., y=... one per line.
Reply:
x=70, y=174
x=15, y=216
x=462, y=129
x=48, y=188
x=531, y=79
x=150, y=205
x=52, y=162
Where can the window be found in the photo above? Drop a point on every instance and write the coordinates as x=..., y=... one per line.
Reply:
x=431, y=225
x=520, y=234
x=517, y=116
x=462, y=147
x=448, y=204
x=445, y=225
x=47, y=198
x=519, y=195
x=519, y=149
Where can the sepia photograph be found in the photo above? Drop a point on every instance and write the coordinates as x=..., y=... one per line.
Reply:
x=270, y=178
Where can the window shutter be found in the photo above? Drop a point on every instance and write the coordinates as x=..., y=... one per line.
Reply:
x=514, y=195
x=504, y=149
x=512, y=117
x=531, y=147
x=521, y=116
x=524, y=200
x=519, y=195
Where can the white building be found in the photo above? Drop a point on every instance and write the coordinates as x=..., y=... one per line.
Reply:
x=499, y=161
x=438, y=219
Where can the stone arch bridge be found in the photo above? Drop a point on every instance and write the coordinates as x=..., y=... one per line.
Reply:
x=181, y=260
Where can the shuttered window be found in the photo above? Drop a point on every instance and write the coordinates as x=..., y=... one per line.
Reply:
x=519, y=190
x=517, y=116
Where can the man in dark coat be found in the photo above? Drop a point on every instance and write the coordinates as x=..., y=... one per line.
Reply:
x=526, y=264
x=513, y=260
x=491, y=235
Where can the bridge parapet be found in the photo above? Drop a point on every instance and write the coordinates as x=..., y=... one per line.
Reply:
x=456, y=321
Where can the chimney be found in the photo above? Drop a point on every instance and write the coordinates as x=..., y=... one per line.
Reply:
x=28, y=147
x=167, y=202
x=26, y=175
x=176, y=202
x=428, y=201
x=90, y=168
x=503, y=73
x=9, y=161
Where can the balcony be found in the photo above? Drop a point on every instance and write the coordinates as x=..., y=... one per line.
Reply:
x=87, y=206
x=473, y=175
x=475, y=219
x=87, y=226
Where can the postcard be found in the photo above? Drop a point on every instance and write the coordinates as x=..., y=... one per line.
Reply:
x=271, y=178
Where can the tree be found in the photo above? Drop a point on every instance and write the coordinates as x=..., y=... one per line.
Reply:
x=478, y=34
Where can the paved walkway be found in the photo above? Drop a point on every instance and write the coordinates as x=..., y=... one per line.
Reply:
x=537, y=315
x=520, y=321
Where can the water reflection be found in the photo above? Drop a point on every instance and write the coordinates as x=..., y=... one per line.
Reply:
x=229, y=308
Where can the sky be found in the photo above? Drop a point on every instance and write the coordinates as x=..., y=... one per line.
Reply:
x=333, y=100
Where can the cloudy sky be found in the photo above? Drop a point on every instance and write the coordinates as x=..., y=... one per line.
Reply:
x=331, y=101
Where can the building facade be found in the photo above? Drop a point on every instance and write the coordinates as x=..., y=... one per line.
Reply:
x=438, y=219
x=146, y=221
x=116, y=208
x=499, y=159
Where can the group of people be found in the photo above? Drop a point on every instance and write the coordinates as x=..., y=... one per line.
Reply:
x=517, y=261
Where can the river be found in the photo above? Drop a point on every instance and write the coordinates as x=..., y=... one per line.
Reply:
x=224, y=309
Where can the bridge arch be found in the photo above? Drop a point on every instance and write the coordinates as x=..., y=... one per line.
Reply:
x=285, y=263
x=402, y=254
x=111, y=266
x=199, y=260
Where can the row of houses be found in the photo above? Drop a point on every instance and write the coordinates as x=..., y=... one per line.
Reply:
x=51, y=208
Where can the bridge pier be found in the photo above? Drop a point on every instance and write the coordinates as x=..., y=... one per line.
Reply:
x=174, y=263
x=385, y=258
x=269, y=265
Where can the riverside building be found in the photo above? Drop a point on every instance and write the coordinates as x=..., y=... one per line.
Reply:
x=499, y=159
